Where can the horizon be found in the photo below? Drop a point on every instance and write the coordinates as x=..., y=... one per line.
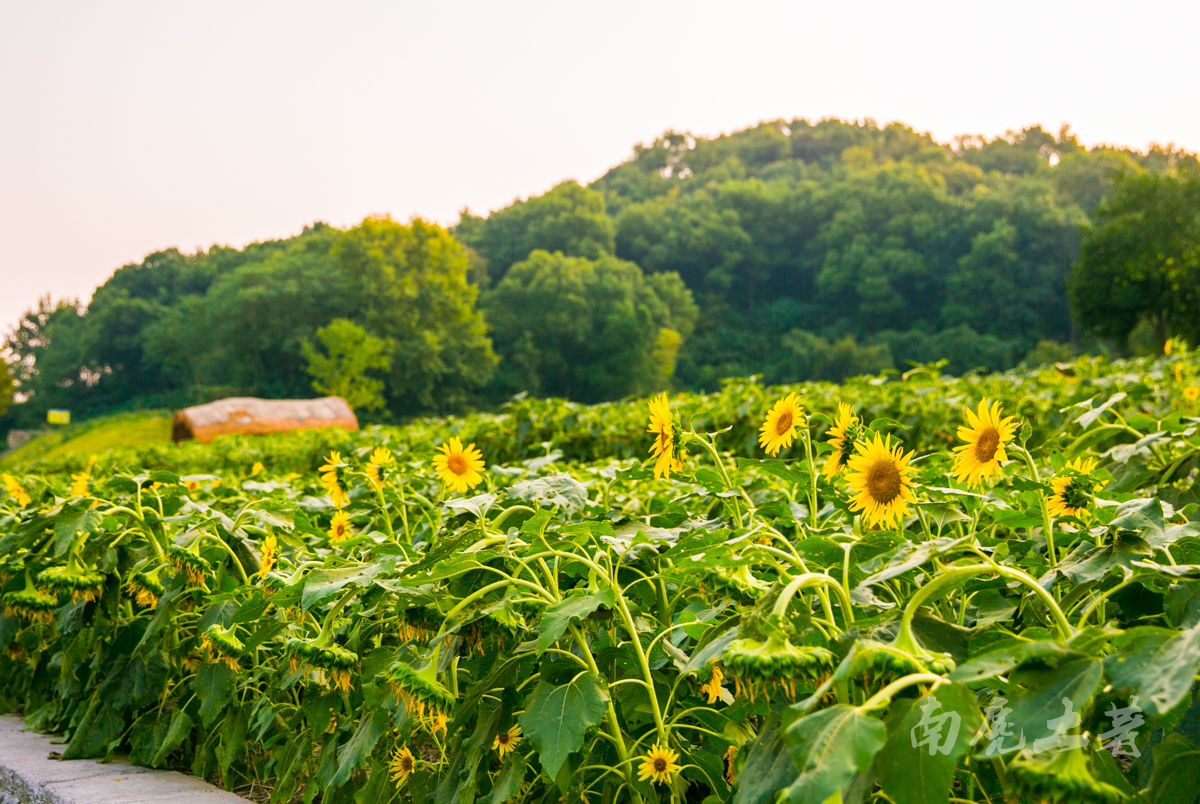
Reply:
x=255, y=122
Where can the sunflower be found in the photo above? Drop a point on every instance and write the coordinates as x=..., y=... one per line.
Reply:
x=79, y=484
x=1191, y=393
x=659, y=764
x=981, y=456
x=457, y=467
x=15, y=490
x=270, y=550
x=665, y=448
x=256, y=469
x=339, y=527
x=846, y=428
x=713, y=687
x=1072, y=493
x=730, y=756
x=507, y=740
x=145, y=589
x=402, y=765
x=879, y=473
x=779, y=428
x=380, y=458
x=329, y=478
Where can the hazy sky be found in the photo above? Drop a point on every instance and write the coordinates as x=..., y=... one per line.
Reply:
x=130, y=127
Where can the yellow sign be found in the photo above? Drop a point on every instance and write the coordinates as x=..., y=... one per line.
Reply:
x=58, y=417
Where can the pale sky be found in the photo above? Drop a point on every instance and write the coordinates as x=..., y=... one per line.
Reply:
x=129, y=127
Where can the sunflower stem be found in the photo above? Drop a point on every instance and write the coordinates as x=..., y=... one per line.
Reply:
x=812, y=472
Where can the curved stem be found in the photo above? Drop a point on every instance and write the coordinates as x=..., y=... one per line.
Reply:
x=507, y=512
x=812, y=579
x=884, y=696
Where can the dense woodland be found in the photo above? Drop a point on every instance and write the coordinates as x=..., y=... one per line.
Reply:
x=790, y=250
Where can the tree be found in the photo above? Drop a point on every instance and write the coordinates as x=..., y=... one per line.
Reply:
x=1140, y=259
x=586, y=329
x=349, y=353
x=569, y=218
x=6, y=388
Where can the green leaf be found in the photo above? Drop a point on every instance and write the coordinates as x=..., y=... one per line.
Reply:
x=100, y=726
x=213, y=685
x=768, y=766
x=942, y=725
x=1175, y=778
x=67, y=527
x=556, y=718
x=831, y=747
x=322, y=583
x=562, y=490
x=233, y=738
x=1159, y=674
x=358, y=748
x=181, y=727
x=1042, y=690
x=573, y=607
x=508, y=782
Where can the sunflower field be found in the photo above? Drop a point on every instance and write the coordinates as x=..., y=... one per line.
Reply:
x=909, y=588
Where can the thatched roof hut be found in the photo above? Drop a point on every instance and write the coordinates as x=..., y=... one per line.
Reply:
x=248, y=415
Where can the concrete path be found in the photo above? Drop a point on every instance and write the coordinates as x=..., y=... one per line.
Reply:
x=29, y=776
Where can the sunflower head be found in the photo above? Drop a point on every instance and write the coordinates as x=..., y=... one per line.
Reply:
x=1066, y=777
x=145, y=589
x=760, y=666
x=986, y=434
x=223, y=645
x=660, y=764
x=880, y=476
x=402, y=765
x=270, y=551
x=1191, y=393
x=507, y=740
x=29, y=605
x=16, y=491
x=335, y=663
x=423, y=697
x=79, y=583
x=459, y=467
x=844, y=434
x=713, y=688
x=779, y=428
x=1073, y=489
x=188, y=563
x=79, y=484
x=667, y=449
x=339, y=527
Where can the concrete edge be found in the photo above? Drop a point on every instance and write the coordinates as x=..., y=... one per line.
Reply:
x=29, y=776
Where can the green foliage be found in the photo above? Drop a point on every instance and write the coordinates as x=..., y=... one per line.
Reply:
x=6, y=387
x=568, y=218
x=1140, y=259
x=586, y=329
x=349, y=353
x=582, y=600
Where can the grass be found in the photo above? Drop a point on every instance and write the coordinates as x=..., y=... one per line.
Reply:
x=99, y=435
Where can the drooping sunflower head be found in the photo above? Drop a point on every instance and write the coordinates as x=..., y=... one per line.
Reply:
x=222, y=645
x=459, y=467
x=336, y=665
x=79, y=583
x=188, y=563
x=1067, y=777
x=79, y=484
x=29, y=605
x=845, y=433
x=660, y=764
x=759, y=666
x=423, y=697
x=507, y=740
x=1073, y=489
x=339, y=527
x=145, y=589
x=986, y=434
x=779, y=428
x=668, y=433
x=880, y=476
x=402, y=765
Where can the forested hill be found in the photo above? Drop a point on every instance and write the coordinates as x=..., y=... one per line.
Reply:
x=789, y=250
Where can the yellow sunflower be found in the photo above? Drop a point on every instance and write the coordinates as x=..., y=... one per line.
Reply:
x=659, y=764
x=339, y=527
x=1191, y=393
x=402, y=765
x=779, y=428
x=380, y=458
x=459, y=468
x=329, y=478
x=1073, y=494
x=730, y=756
x=844, y=428
x=14, y=488
x=665, y=448
x=880, y=476
x=507, y=740
x=256, y=469
x=981, y=456
x=270, y=548
x=712, y=688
